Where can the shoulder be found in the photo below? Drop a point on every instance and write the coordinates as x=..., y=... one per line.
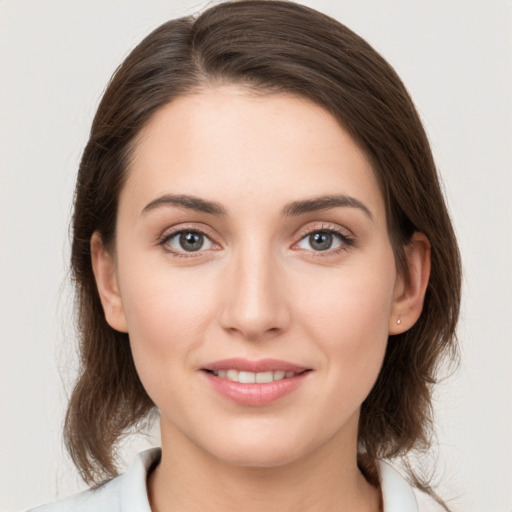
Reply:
x=126, y=493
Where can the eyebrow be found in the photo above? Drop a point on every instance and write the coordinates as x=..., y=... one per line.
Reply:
x=293, y=208
x=320, y=203
x=188, y=202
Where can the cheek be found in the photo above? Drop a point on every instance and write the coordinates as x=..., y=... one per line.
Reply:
x=349, y=318
x=167, y=312
x=350, y=299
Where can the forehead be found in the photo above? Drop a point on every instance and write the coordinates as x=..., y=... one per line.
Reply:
x=236, y=146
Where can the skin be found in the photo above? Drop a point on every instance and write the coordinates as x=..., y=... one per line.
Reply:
x=257, y=289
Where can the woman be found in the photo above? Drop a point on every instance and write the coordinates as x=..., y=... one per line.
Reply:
x=262, y=253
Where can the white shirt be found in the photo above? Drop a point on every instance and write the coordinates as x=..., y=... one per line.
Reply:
x=128, y=492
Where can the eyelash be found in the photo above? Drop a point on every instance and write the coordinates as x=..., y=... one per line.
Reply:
x=168, y=236
x=346, y=240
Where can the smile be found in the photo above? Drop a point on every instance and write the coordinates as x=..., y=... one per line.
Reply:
x=252, y=377
x=254, y=383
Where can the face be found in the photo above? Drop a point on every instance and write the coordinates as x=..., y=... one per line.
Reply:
x=254, y=274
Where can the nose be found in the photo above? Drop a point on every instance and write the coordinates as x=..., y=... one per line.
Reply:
x=255, y=300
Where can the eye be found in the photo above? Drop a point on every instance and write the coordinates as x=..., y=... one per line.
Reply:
x=188, y=241
x=323, y=240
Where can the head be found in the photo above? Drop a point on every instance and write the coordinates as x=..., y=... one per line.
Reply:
x=266, y=51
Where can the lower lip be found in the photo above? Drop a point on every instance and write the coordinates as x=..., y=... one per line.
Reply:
x=255, y=394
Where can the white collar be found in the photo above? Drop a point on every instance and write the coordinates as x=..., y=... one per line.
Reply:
x=397, y=494
x=128, y=492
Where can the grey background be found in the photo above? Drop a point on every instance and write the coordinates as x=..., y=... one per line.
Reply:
x=56, y=56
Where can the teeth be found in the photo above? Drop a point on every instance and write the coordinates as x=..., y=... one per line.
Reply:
x=232, y=375
x=279, y=375
x=253, y=378
x=247, y=378
x=264, y=377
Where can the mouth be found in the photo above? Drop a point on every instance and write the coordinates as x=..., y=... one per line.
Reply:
x=255, y=383
x=245, y=377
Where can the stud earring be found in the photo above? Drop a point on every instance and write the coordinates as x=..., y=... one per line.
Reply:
x=399, y=321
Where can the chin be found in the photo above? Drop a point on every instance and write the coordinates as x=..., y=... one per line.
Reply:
x=275, y=449
x=260, y=457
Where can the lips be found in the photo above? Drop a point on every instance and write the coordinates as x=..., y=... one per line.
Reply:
x=262, y=365
x=254, y=383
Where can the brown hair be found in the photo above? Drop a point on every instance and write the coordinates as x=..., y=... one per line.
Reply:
x=268, y=46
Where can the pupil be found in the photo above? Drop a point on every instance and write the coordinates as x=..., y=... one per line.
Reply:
x=191, y=241
x=320, y=241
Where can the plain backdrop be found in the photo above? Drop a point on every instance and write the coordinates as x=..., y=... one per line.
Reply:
x=56, y=56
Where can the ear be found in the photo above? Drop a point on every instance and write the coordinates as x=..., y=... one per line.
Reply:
x=106, y=280
x=410, y=292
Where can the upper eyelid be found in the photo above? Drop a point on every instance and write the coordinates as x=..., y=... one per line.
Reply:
x=174, y=230
x=330, y=227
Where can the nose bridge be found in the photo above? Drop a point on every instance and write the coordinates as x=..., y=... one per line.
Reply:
x=255, y=302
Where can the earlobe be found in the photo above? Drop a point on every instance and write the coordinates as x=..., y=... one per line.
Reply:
x=106, y=282
x=410, y=292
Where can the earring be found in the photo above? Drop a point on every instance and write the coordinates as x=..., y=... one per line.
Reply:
x=399, y=321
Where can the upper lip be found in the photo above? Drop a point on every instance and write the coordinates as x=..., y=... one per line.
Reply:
x=261, y=365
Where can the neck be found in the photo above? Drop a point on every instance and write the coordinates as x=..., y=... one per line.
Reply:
x=190, y=480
